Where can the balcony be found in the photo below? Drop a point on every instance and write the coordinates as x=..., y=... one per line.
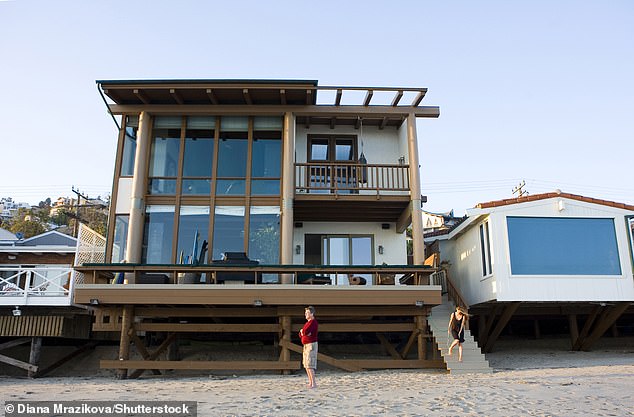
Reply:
x=350, y=192
x=38, y=286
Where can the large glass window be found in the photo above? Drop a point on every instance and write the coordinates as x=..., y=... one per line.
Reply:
x=198, y=155
x=164, y=155
x=232, y=156
x=193, y=229
x=264, y=234
x=228, y=230
x=563, y=246
x=347, y=250
x=157, y=235
x=485, y=249
x=121, y=223
x=266, y=156
x=129, y=146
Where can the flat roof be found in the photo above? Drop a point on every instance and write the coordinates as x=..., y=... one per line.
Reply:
x=347, y=105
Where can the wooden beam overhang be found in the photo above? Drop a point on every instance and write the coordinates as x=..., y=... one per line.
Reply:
x=397, y=98
x=419, y=97
x=283, y=97
x=212, y=96
x=247, y=97
x=177, y=96
x=338, y=97
x=399, y=112
x=368, y=98
x=142, y=96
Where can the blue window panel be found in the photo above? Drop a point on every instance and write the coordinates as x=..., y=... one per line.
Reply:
x=563, y=246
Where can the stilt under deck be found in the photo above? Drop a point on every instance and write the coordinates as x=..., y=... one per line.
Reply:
x=134, y=310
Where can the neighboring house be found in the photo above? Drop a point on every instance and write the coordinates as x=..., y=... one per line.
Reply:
x=36, y=288
x=552, y=254
x=311, y=189
x=8, y=207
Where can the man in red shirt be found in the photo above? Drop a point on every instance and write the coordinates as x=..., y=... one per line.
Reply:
x=308, y=334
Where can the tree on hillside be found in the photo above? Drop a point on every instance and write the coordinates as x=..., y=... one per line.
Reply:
x=27, y=223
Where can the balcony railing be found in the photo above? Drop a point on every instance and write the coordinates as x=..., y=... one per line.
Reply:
x=43, y=286
x=258, y=274
x=326, y=178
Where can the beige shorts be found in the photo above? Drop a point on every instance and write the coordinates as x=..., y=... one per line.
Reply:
x=310, y=355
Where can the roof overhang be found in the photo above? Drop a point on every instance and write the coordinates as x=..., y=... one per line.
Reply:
x=312, y=104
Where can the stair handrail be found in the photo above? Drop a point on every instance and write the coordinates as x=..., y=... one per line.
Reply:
x=452, y=291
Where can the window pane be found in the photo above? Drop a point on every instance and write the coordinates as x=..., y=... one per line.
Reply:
x=362, y=250
x=265, y=187
x=165, y=150
x=343, y=150
x=264, y=234
x=319, y=150
x=157, y=235
x=162, y=186
x=193, y=229
x=228, y=230
x=230, y=187
x=129, y=150
x=232, y=155
x=120, y=238
x=199, y=153
x=196, y=187
x=266, y=158
x=569, y=246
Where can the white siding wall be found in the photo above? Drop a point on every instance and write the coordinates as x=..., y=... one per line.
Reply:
x=395, y=247
x=466, y=270
x=124, y=192
x=465, y=257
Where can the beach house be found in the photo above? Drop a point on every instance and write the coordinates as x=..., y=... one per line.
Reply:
x=559, y=259
x=236, y=203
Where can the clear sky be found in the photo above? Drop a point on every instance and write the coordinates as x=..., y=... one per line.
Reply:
x=541, y=91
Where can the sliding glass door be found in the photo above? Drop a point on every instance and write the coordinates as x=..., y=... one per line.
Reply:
x=347, y=250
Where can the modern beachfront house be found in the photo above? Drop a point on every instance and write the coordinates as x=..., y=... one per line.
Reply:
x=553, y=257
x=236, y=203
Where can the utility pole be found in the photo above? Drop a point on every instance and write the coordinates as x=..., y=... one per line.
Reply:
x=79, y=197
x=519, y=190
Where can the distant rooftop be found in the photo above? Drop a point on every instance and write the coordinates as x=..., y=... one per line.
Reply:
x=535, y=197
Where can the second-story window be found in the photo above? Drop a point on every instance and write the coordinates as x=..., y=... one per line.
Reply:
x=232, y=156
x=129, y=146
x=164, y=155
x=198, y=155
x=266, y=156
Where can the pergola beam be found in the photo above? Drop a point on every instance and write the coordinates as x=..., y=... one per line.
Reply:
x=212, y=97
x=419, y=98
x=397, y=98
x=368, y=98
x=177, y=96
x=142, y=96
x=283, y=97
x=247, y=96
x=338, y=97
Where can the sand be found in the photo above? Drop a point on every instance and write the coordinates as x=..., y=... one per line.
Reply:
x=529, y=380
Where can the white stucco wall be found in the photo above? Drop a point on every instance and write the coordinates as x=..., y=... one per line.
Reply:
x=464, y=253
x=379, y=146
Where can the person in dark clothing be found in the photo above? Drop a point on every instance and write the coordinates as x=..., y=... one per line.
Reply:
x=457, y=323
x=308, y=334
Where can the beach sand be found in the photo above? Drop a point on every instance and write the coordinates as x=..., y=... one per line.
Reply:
x=530, y=379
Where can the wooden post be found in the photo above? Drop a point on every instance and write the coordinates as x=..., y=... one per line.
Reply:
x=608, y=317
x=34, y=356
x=574, y=329
x=506, y=315
x=482, y=329
x=124, y=344
x=420, y=320
x=285, y=353
x=288, y=193
x=418, y=246
x=537, y=330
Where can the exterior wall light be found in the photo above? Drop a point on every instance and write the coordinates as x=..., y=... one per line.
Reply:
x=381, y=250
x=419, y=303
x=298, y=249
x=257, y=303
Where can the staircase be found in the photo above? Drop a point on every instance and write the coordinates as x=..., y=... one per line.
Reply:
x=473, y=361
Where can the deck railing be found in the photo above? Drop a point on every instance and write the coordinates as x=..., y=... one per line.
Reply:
x=50, y=285
x=326, y=178
x=257, y=274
